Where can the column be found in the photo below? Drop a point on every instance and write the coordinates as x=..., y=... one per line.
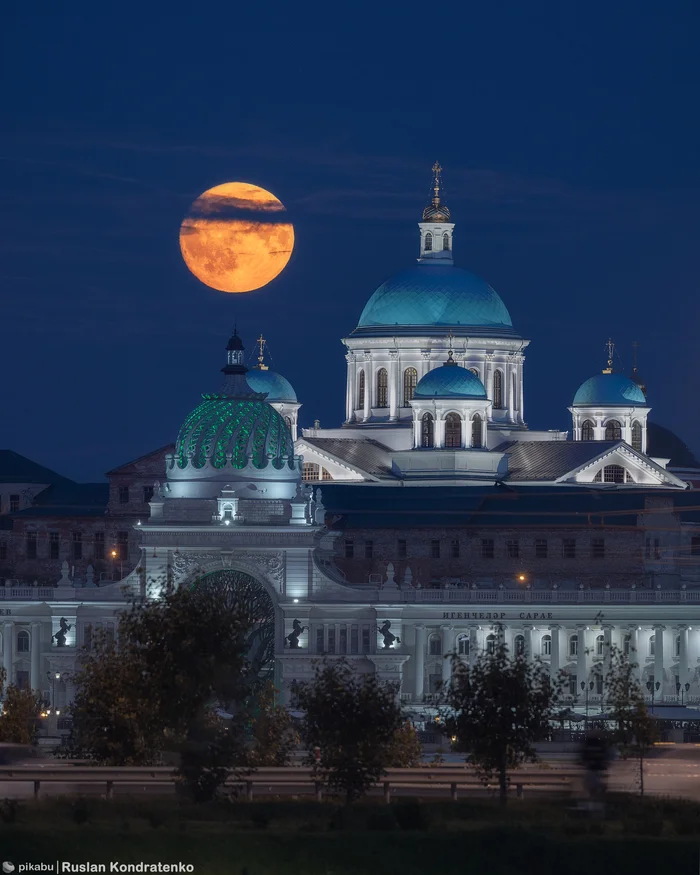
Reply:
x=488, y=377
x=659, y=661
x=607, y=648
x=510, y=400
x=394, y=393
x=419, y=659
x=8, y=649
x=527, y=635
x=369, y=388
x=447, y=635
x=683, y=655
x=34, y=679
x=439, y=430
x=416, y=431
x=554, y=660
x=521, y=400
x=581, y=670
x=424, y=363
x=633, y=635
x=351, y=389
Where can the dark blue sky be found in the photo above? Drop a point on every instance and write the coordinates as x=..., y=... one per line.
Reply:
x=569, y=135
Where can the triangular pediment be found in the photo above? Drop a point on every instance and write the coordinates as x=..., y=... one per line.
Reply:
x=640, y=470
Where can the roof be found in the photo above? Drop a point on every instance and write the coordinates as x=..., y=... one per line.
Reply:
x=277, y=387
x=610, y=389
x=69, y=499
x=664, y=444
x=549, y=460
x=437, y=295
x=15, y=468
x=158, y=454
x=366, y=455
x=450, y=381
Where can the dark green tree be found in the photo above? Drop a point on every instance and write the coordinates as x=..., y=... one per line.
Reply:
x=634, y=731
x=405, y=749
x=352, y=719
x=20, y=715
x=272, y=730
x=497, y=709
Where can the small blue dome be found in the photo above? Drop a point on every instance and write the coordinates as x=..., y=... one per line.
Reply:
x=609, y=389
x=435, y=295
x=450, y=381
x=277, y=387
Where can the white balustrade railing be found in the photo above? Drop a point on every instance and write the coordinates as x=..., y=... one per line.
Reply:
x=466, y=595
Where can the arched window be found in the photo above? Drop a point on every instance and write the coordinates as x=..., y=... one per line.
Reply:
x=475, y=371
x=677, y=647
x=382, y=388
x=491, y=644
x=573, y=645
x=428, y=241
x=361, y=389
x=446, y=241
x=435, y=645
x=587, y=430
x=498, y=390
x=476, y=431
x=519, y=645
x=599, y=643
x=613, y=474
x=325, y=475
x=613, y=430
x=652, y=645
x=410, y=378
x=546, y=645
x=453, y=431
x=288, y=422
x=463, y=645
x=23, y=642
x=514, y=397
x=427, y=431
x=310, y=471
x=637, y=436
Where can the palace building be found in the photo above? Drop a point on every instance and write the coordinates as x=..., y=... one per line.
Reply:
x=430, y=522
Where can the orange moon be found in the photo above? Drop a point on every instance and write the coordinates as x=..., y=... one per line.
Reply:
x=235, y=239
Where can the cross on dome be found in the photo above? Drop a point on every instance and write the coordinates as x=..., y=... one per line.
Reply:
x=436, y=211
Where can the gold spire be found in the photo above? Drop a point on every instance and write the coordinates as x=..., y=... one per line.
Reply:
x=436, y=211
x=611, y=353
x=437, y=170
x=261, y=366
x=450, y=351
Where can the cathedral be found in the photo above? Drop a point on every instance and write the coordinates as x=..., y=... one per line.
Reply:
x=431, y=522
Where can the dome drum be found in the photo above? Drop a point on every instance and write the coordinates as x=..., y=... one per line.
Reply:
x=267, y=478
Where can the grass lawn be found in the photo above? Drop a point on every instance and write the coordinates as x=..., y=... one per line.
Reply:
x=271, y=838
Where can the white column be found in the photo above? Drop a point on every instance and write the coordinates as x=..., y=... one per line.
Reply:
x=416, y=431
x=424, y=366
x=35, y=681
x=683, y=655
x=369, y=387
x=439, y=430
x=521, y=400
x=634, y=656
x=510, y=400
x=419, y=659
x=554, y=660
x=447, y=635
x=607, y=648
x=352, y=382
x=8, y=650
x=659, y=661
x=394, y=393
x=488, y=377
x=581, y=669
x=527, y=635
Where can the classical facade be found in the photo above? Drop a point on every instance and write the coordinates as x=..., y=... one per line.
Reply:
x=432, y=521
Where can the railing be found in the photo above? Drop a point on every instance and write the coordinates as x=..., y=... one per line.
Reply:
x=538, y=597
x=59, y=593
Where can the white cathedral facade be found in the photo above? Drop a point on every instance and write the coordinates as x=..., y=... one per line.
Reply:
x=430, y=522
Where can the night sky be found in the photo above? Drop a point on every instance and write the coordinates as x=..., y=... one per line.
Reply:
x=569, y=135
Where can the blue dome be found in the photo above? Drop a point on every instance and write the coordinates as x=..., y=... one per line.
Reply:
x=436, y=295
x=450, y=381
x=609, y=389
x=276, y=386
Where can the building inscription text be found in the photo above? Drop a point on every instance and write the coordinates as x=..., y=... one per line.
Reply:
x=496, y=615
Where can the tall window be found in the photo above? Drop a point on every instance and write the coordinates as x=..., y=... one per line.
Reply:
x=519, y=645
x=498, y=390
x=463, y=645
x=568, y=548
x=99, y=548
x=428, y=242
x=476, y=431
x=427, y=432
x=23, y=642
x=288, y=422
x=361, y=389
x=410, y=378
x=77, y=545
x=454, y=548
x=487, y=548
x=369, y=549
x=546, y=645
x=453, y=431
x=587, y=430
x=382, y=388
x=637, y=436
x=435, y=646
x=14, y=503
x=446, y=241
x=573, y=645
x=123, y=545
x=613, y=474
x=599, y=644
x=491, y=644
x=613, y=430
x=349, y=549
x=514, y=388
x=123, y=495
x=401, y=548
x=652, y=645
x=695, y=545
x=435, y=549
x=54, y=545
x=147, y=494
x=598, y=548
x=513, y=548
x=31, y=545
x=677, y=647
x=540, y=548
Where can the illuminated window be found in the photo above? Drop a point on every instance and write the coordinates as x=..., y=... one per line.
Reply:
x=427, y=431
x=652, y=645
x=325, y=475
x=637, y=436
x=599, y=642
x=428, y=242
x=587, y=430
x=23, y=642
x=613, y=474
x=573, y=645
x=490, y=644
x=382, y=388
x=446, y=241
x=476, y=431
x=310, y=471
x=435, y=645
x=546, y=645
x=463, y=645
x=410, y=378
x=613, y=430
x=361, y=389
x=498, y=390
x=453, y=431
x=519, y=645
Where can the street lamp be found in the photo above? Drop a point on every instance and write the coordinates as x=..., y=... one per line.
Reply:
x=114, y=554
x=652, y=687
x=680, y=689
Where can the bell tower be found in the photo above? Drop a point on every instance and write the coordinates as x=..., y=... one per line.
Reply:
x=436, y=228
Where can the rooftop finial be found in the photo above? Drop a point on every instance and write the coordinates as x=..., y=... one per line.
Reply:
x=436, y=211
x=261, y=342
x=611, y=353
x=450, y=351
x=437, y=170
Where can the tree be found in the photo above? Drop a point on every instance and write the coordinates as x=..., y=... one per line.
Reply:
x=21, y=711
x=352, y=719
x=634, y=731
x=497, y=709
x=405, y=749
x=272, y=730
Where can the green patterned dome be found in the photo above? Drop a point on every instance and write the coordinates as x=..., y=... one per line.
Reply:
x=224, y=427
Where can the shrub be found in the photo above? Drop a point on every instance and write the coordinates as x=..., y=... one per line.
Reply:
x=411, y=815
x=8, y=811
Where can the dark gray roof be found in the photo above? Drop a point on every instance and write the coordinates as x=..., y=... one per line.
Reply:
x=664, y=444
x=19, y=469
x=367, y=454
x=67, y=499
x=548, y=460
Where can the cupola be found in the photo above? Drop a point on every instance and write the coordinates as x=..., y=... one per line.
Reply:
x=436, y=228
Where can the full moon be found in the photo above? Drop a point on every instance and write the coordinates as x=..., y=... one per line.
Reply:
x=234, y=237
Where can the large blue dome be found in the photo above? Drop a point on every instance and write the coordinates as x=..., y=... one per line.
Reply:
x=275, y=385
x=436, y=295
x=611, y=390
x=450, y=381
